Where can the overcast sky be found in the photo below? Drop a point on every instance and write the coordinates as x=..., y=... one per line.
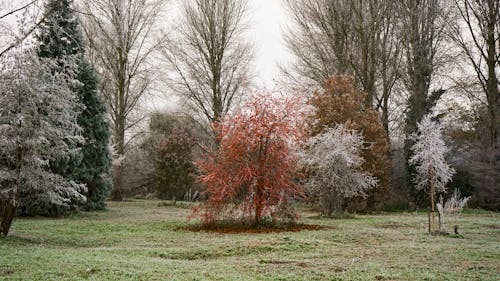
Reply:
x=268, y=19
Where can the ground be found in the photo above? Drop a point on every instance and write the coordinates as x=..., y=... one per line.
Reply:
x=145, y=240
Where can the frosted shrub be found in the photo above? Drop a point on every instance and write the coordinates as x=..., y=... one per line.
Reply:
x=333, y=164
x=450, y=211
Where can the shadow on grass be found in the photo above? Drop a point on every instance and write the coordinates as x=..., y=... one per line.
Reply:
x=338, y=216
x=178, y=204
x=236, y=227
x=18, y=241
x=393, y=225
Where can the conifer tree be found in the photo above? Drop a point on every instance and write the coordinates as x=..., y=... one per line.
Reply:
x=59, y=36
x=38, y=124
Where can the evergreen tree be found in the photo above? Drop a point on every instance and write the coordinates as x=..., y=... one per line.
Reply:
x=60, y=36
x=38, y=124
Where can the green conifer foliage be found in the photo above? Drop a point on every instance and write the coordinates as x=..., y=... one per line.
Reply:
x=59, y=36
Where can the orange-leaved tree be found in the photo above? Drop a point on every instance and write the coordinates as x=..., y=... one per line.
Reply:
x=341, y=102
x=252, y=173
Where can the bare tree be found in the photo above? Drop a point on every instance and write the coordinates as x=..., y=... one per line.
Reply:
x=208, y=58
x=389, y=65
x=347, y=37
x=29, y=19
x=422, y=33
x=120, y=35
x=319, y=40
x=478, y=37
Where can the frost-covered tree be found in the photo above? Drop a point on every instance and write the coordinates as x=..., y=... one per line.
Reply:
x=341, y=102
x=334, y=167
x=58, y=36
x=432, y=171
x=37, y=125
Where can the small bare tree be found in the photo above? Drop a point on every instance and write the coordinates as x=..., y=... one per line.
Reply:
x=208, y=58
x=451, y=210
x=120, y=35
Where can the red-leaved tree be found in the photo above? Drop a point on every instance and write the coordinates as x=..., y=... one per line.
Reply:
x=251, y=175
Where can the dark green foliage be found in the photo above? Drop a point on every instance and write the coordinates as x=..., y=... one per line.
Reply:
x=171, y=146
x=175, y=170
x=96, y=159
x=59, y=36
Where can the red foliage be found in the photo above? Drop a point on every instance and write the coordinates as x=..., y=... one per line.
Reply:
x=252, y=173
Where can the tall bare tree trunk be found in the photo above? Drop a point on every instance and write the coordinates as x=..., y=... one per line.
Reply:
x=433, y=194
x=119, y=140
x=116, y=193
x=209, y=58
x=7, y=213
x=120, y=35
x=478, y=42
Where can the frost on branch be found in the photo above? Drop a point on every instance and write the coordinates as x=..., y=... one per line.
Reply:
x=432, y=171
x=334, y=167
x=251, y=175
x=429, y=157
x=450, y=211
x=37, y=125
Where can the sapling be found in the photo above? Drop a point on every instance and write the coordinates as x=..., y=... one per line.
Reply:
x=432, y=171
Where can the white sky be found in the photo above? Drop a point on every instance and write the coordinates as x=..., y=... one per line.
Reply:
x=268, y=21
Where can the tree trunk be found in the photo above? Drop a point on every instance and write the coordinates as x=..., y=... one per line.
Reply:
x=429, y=221
x=440, y=222
x=433, y=193
x=116, y=193
x=258, y=206
x=7, y=214
x=492, y=65
x=174, y=201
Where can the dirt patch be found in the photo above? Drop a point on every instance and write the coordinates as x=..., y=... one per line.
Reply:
x=236, y=229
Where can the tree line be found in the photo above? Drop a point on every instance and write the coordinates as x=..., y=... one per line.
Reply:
x=371, y=70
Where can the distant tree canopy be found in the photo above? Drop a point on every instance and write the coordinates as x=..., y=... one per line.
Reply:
x=341, y=102
x=209, y=57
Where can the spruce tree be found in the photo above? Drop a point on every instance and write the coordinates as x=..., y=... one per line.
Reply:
x=61, y=36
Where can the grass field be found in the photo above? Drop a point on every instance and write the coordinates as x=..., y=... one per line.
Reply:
x=141, y=240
